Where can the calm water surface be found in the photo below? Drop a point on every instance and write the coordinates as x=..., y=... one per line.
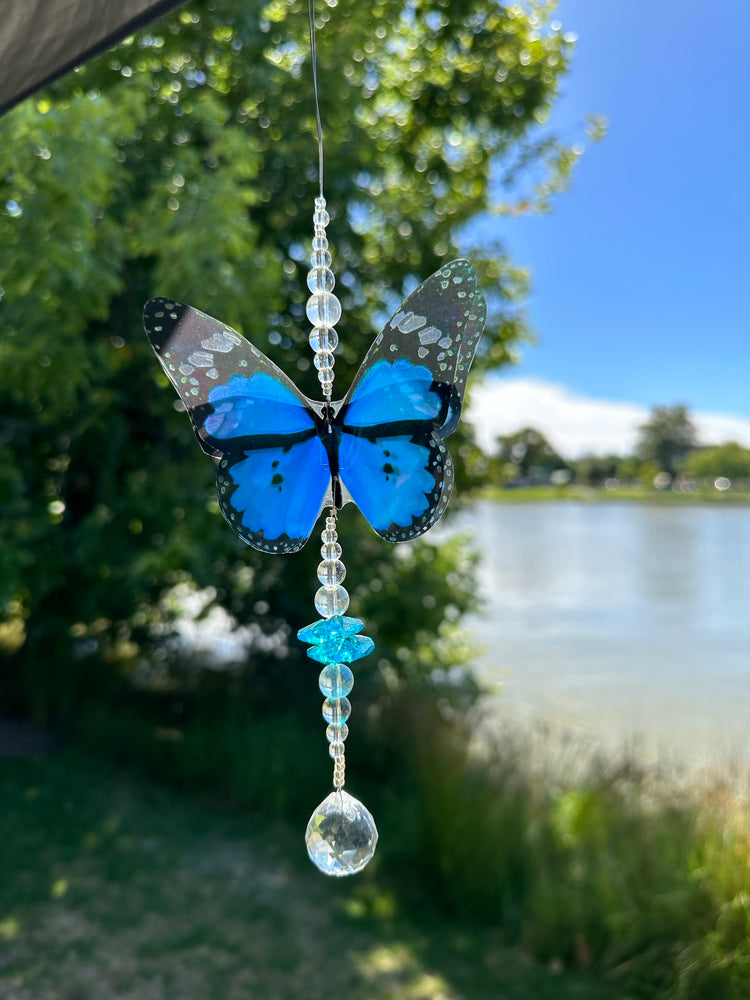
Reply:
x=628, y=621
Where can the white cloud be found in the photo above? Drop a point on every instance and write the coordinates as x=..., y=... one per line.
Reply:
x=574, y=424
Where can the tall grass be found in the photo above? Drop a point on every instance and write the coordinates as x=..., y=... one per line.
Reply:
x=580, y=861
x=616, y=867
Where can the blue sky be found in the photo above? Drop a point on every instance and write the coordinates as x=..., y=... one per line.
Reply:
x=641, y=273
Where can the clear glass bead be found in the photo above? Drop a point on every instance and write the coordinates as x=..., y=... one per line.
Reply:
x=321, y=217
x=326, y=387
x=331, y=572
x=336, y=710
x=328, y=535
x=324, y=360
x=320, y=202
x=320, y=279
x=330, y=550
x=331, y=601
x=336, y=680
x=341, y=836
x=319, y=243
x=325, y=375
x=323, y=309
x=320, y=258
x=323, y=338
x=336, y=750
x=337, y=732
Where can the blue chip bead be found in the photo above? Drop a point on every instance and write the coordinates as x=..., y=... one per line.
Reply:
x=336, y=680
x=343, y=650
x=330, y=628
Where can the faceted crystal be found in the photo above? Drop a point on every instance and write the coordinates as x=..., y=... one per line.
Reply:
x=330, y=628
x=341, y=835
x=336, y=680
x=344, y=650
x=336, y=710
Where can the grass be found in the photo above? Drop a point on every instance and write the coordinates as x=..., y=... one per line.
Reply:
x=113, y=887
x=642, y=494
x=521, y=847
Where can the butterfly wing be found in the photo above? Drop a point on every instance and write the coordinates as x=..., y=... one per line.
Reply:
x=273, y=475
x=405, y=399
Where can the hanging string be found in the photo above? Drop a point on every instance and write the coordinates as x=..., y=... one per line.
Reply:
x=314, y=62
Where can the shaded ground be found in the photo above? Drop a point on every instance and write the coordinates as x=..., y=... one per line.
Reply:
x=113, y=888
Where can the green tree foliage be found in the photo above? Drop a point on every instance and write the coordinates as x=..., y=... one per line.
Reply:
x=183, y=163
x=667, y=437
x=527, y=453
x=594, y=470
x=729, y=459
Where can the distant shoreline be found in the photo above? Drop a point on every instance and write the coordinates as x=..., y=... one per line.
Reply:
x=591, y=494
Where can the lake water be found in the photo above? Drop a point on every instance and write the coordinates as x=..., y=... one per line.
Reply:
x=624, y=621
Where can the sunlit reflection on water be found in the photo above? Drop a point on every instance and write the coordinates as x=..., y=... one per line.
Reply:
x=627, y=620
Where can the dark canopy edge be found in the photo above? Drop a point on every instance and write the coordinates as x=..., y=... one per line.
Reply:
x=127, y=28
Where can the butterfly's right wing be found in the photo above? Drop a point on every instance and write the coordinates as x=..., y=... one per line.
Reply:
x=405, y=399
x=273, y=475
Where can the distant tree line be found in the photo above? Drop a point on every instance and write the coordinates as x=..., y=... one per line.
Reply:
x=668, y=453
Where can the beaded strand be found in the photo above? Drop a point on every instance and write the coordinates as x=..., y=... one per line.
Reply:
x=341, y=835
x=323, y=308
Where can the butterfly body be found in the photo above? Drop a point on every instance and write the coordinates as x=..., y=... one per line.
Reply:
x=283, y=457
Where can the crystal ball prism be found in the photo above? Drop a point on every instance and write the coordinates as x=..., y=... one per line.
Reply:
x=341, y=835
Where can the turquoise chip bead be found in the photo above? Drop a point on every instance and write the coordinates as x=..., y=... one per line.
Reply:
x=336, y=680
x=330, y=628
x=343, y=650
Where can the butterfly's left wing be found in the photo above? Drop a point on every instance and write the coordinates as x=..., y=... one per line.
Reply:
x=405, y=399
x=273, y=474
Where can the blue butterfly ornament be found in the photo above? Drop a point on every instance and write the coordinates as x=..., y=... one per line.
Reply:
x=284, y=457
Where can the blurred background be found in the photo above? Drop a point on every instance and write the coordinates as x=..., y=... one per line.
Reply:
x=550, y=732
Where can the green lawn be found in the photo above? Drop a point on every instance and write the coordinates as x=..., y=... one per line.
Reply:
x=115, y=888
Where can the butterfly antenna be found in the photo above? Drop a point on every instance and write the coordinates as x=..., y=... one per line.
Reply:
x=314, y=62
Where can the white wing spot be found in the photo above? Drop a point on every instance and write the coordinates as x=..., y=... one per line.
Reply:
x=212, y=373
x=201, y=359
x=445, y=342
x=430, y=336
x=186, y=369
x=409, y=322
x=223, y=342
x=423, y=352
